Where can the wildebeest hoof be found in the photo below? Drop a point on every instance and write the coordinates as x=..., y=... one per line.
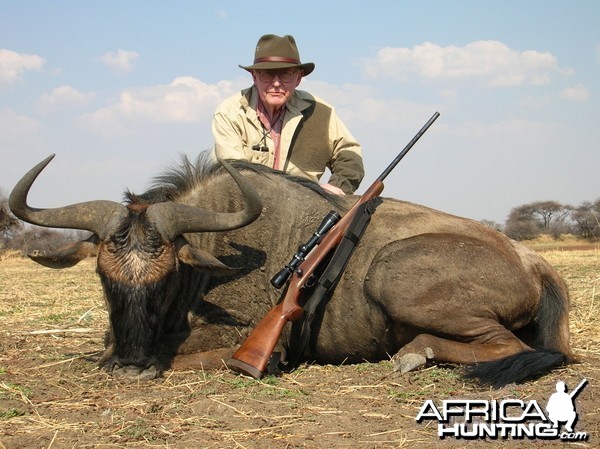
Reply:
x=136, y=372
x=409, y=362
x=412, y=361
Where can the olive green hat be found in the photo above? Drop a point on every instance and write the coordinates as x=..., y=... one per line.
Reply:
x=275, y=52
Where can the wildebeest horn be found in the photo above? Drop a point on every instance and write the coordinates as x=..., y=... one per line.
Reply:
x=174, y=219
x=99, y=217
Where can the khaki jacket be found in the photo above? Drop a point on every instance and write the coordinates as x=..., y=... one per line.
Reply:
x=313, y=138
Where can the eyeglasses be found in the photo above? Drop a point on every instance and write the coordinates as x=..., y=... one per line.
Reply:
x=285, y=76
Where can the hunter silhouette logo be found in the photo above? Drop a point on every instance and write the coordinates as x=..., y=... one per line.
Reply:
x=508, y=418
x=561, y=405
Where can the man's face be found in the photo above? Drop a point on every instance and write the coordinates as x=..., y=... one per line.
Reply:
x=275, y=87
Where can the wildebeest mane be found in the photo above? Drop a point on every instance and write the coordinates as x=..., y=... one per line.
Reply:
x=186, y=175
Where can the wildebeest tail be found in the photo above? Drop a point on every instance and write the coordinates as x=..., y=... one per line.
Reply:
x=517, y=368
x=552, y=318
x=551, y=343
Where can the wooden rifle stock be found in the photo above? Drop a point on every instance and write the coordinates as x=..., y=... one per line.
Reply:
x=252, y=357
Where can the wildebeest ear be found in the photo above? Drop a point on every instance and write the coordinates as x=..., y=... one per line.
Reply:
x=67, y=255
x=204, y=262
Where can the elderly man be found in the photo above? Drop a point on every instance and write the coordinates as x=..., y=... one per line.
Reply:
x=273, y=124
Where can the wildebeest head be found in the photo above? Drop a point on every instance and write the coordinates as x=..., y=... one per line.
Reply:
x=140, y=251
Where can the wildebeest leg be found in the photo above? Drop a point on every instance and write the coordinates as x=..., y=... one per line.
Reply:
x=208, y=344
x=208, y=360
x=460, y=296
x=426, y=347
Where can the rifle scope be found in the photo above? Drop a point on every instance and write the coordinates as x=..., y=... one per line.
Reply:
x=328, y=222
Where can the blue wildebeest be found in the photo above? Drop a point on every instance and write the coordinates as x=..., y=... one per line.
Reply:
x=422, y=286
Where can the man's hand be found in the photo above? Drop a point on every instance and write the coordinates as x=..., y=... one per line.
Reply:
x=333, y=189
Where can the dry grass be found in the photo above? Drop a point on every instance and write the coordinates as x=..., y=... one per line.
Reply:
x=581, y=271
x=566, y=242
x=52, y=394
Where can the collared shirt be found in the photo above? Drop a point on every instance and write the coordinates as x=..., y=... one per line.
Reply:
x=273, y=130
x=237, y=129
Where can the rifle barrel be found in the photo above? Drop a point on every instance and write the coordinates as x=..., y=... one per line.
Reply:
x=578, y=388
x=408, y=147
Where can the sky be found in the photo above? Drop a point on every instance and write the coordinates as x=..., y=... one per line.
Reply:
x=119, y=89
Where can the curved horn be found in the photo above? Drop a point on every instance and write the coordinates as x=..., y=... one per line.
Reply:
x=174, y=219
x=99, y=217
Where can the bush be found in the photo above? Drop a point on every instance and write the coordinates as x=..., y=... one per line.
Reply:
x=35, y=238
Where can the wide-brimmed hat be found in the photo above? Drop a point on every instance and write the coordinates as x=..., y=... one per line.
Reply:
x=276, y=52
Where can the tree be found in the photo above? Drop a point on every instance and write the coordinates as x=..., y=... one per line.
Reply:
x=552, y=215
x=521, y=225
x=586, y=219
x=541, y=217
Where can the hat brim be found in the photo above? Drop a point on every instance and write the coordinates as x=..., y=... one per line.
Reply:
x=307, y=67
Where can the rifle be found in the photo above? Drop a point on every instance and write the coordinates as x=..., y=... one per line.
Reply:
x=252, y=357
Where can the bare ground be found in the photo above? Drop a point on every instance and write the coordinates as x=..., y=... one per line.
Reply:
x=53, y=395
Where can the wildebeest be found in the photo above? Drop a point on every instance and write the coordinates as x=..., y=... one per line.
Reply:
x=185, y=269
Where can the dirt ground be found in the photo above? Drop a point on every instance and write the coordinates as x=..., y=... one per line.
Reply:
x=52, y=395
